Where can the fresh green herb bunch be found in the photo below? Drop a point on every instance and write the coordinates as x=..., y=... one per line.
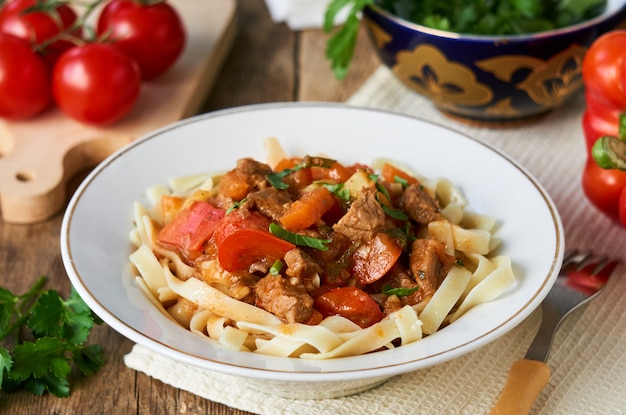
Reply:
x=478, y=17
x=42, y=338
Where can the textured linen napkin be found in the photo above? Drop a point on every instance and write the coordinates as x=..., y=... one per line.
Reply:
x=588, y=359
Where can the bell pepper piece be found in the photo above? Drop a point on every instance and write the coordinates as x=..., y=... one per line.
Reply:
x=191, y=229
x=307, y=210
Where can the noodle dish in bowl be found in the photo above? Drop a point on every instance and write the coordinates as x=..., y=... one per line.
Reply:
x=311, y=250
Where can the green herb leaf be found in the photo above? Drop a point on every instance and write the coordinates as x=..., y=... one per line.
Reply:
x=276, y=179
x=400, y=292
x=59, y=328
x=338, y=190
x=341, y=45
x=276, y=267
x=297, y=239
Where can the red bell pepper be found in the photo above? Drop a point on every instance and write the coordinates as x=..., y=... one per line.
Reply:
x=245, y=239
x=604, y=75
x=349, y=302
x=191, y=229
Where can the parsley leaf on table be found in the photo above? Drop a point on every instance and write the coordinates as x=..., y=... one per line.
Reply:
x=47, y=335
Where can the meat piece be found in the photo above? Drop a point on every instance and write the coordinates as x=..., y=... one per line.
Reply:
x=364, y=218
x=429, y=264
x=270, y=201
x=247, y=176
x=276, y=295
x=419, y=206
x=299, y=264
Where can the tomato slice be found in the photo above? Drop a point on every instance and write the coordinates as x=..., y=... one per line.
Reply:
x=372, y=260
x=191, y=229
x=349, y=302
x=243, y=240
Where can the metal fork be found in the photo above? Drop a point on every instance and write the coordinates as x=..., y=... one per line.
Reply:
x=582, y=277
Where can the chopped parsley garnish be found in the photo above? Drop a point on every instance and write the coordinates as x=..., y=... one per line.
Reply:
x=389, y=211
x=297, y=239
x=236, y=205
x=400, y=292
x=276, y=178
x=338, y=190
x=276, y=267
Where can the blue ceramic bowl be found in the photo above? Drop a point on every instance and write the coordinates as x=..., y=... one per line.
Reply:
x=488, y=78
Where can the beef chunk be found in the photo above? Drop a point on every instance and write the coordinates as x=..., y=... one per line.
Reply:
x=299, y=264
x=276, y=295
x=429, y=264
x=419, y=206
x=364, y=218
x=247, y=176
x=270, y=201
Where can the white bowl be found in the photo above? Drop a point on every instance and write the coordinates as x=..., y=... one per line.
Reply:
x=95, y=233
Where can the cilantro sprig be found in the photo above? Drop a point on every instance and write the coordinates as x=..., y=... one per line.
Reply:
x=42, y=339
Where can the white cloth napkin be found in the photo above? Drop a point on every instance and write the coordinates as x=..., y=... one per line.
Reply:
x=301, y=14
x=588, y=360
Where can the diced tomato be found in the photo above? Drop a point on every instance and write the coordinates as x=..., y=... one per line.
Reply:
x=307, y=210
x=243, y=240
x=389, y=173
x=372, y=260
x=190, y=230
x=350, y=302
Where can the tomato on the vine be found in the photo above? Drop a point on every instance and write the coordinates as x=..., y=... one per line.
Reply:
x=149, y=32
x=46, y=20
x=24, y=79
x=95, y=83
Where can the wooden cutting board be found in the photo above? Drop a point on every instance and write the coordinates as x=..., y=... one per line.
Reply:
x=38, y=157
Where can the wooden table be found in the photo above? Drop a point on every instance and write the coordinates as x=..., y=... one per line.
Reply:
x=268, y=63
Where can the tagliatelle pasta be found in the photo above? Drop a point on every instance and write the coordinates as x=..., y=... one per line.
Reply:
x=331, y=260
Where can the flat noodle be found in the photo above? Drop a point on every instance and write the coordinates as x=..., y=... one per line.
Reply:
x=471, y=240
x=444, y=299
x=274, y=151
x=191, y=182
x=442, y=231
x=317, y=336
x=492, y=286
x=219, y=303
x=149, y=268
x=399, y=324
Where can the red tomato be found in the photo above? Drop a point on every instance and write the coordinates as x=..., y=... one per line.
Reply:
x=39, y=26
x=95, y=83
x=372, y=260
x=151, y=34
x=349, y=302
x=604, y=69
x=243, y=240
x=622, y=207
x=24, y=80
x=603, y=187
